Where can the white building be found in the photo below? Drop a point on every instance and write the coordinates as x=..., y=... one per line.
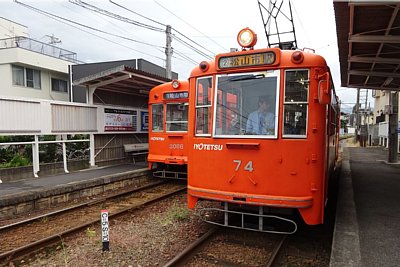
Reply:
x=381, y=114
x=32, y=69
x=35, y=98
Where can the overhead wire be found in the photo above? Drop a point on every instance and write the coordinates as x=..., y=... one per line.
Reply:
x=186, y=57
x=86, y=26
x=120, y=29
x=63, y=20
x=178, y=32
x=115, y=16
x=193, y=48
x=136, y=13
x=212, y=53
x=301, y=24
x=110, y=14
x=124, y=19
x=189, y=25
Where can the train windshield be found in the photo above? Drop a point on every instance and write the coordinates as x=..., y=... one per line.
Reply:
x=247, y=105
x=177, y=117
x=157, y=118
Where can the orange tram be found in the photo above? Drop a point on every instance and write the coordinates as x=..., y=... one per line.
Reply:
x=168, y=113
x=263, y=136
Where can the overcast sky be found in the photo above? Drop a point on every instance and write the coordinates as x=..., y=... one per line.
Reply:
x=213, y=24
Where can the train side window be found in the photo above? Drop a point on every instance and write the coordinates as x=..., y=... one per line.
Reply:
x=333, y=111
x=157, y=118
x=203, y=106
x=177, y=117
x=295, y=110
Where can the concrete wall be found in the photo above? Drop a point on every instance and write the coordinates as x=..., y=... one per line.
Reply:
x=19, y=173
x=49, y=67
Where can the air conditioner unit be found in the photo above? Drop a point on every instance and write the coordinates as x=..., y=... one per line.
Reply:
x=376, y=93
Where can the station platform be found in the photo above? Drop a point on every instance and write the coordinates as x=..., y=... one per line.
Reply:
x=367, y=223
x=25, y=195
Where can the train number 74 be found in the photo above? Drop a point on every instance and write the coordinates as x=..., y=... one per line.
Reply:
x=248, y=167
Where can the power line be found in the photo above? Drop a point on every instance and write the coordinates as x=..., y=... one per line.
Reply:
x=186, y=57
x=70, y=22
x=62, y=20
x=122, y=30
x=189, y=26
x=193, y=48
x=114, y=16
x=85, y=26
x=152, y=20
x=118, y=27
x=140, y=15
x=213, y=54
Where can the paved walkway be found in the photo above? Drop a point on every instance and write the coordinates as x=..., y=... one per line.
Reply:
x=367, y=230
x=8, y=189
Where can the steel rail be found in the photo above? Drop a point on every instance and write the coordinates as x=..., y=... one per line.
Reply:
x=55, y=239
x=178, y=259
x=192, y=249
x=87, y=203
x=275, y=253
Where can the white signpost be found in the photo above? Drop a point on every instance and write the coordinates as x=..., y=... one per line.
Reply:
x=105, y=230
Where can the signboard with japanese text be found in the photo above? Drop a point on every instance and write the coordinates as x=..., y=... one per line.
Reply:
x=120, y=120
x=176, y=95
x=237, y=61
x=144, y=119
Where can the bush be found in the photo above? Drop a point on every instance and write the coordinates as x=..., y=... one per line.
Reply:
x=16, y=161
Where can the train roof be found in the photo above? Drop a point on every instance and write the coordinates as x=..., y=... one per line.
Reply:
x=167, y=87
x=310, y=59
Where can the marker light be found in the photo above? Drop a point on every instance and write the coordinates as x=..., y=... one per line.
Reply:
x=204, y=65
x=297, y=57
x=176, y=84
x=247, y=38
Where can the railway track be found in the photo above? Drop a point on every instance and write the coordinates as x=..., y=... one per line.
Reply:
x=26, y=237
x=227, y=247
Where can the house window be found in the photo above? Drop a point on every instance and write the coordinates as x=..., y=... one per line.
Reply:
x=59, y=85
x=26, y=77
x=18, y=75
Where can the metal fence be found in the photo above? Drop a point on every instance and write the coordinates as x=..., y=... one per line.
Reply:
x=39, y=47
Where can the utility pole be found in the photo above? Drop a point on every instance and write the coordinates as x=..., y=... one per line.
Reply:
x=168, y=52
x=363, y=100
x=358, y=116
x=393, y=126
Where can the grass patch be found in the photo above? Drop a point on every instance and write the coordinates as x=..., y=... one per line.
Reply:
x=175, y=213
x=90, y=232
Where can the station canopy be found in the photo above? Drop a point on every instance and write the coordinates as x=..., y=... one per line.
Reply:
x=122, y=79
x=368, y=34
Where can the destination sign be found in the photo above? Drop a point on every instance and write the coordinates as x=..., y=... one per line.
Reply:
x=265, y=58
x=176, y=95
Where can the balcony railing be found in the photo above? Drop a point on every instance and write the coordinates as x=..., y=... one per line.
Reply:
x=38, y=47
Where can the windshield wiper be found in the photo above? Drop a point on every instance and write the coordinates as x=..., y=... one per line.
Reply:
x=246, y=77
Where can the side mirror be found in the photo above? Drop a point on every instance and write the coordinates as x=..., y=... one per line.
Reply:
x=324, y=86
